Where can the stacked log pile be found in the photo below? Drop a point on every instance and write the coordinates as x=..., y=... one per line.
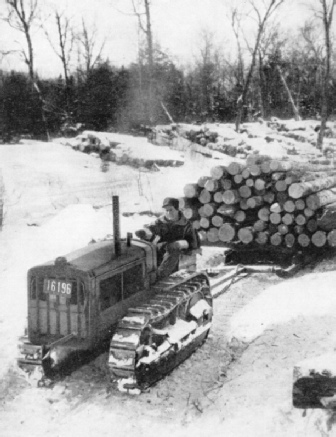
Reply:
x=265, y=203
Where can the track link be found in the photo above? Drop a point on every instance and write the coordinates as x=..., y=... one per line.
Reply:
x=157, y=336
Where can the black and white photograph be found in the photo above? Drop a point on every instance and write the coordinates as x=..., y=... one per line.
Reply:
x=167, y=218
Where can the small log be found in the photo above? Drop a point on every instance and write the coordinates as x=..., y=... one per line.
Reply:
x=281, y=197
x=298, y=229
x=245, y=173
x=226, y=184
x=300, y=204
x=202, y=181
x=191, y=190
x=259, y=184
x=283, y=229
x=203, y=235
x=275, y=218
x=227, y=210
x=190, y=213
x=311, y=225
x=209, y=209
x=276, y=239
x=281, y=186
x=300, y=189
x=278, y=176
x=218, y=197
x=332, y=238
x=269, y=197
x=308, y=212
x=254, y=202
x=249, y=182
x=205, y=196
x=276, y=207
x=289, y=206
x=254, y=169
x=226, y=233
x=243, y=204
x=303, y=240
x=264, y=214
x=204, y=222
x=240, y=216
x=245, y=235
x=196, y=224
x=238, y=179
x=212, y=235
x=287, y=219
x=234, y=168
x=217, y=221
x=245, y=191
x=319, y=239
x=259, y=225
x=262, y=238
x=211, y=185
x=231, y=197
x=265, y=167
x=289, y=240
x=280, y=166
x=300, y=220
x=218, y=172
x=259, y=192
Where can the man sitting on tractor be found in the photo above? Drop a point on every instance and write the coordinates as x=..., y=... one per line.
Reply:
x=174, y=235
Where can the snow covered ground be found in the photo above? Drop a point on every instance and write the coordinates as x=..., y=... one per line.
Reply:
x=58, y=200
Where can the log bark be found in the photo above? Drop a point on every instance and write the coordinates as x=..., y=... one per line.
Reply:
x=326, y=220
x=322, y=198
x=301, y=189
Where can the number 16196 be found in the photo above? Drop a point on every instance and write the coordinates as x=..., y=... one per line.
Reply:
x=55, y=286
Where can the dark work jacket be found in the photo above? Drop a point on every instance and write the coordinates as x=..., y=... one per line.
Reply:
x=170, y=231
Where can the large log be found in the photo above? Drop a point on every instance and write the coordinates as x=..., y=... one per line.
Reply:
x=217, y=221
x=322, y=198
x=301, y=189
x=245, y=191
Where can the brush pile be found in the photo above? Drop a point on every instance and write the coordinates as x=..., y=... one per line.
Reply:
x=265, y=203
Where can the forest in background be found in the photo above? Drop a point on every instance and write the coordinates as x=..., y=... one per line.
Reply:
x=274, y=73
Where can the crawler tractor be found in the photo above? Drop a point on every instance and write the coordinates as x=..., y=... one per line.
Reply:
x=108, y=294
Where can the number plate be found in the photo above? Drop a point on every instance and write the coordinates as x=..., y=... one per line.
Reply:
x=55, y=286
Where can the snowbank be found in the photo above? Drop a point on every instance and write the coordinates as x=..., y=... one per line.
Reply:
x=311, y=295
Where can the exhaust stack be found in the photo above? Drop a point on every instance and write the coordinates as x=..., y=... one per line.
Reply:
x=116, y=225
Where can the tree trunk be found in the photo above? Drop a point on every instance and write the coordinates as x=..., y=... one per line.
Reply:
x=290, y=98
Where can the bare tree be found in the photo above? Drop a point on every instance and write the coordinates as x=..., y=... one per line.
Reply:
x=262, y=17
x=22, y=15
x=89, y=48
x=327, y=16
x=141, y=9
x=65, y=44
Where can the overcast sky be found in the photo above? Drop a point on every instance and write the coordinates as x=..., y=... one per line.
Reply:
x=177, y=25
